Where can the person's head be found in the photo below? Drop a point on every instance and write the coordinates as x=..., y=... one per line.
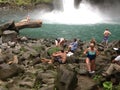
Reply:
x=118, y=51
x=75, y=39
x=92, y=45
x=107, y=29
x=62, y=50
x=93, y=41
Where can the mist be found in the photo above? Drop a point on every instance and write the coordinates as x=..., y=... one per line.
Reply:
x=81, y=12
x=110, y=9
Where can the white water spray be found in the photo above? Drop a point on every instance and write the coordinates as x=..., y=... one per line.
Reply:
x=85, y=14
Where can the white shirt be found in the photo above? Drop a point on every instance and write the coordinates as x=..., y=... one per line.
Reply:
x=117, y=58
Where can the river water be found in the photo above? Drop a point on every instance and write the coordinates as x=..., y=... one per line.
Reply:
x=83, y=32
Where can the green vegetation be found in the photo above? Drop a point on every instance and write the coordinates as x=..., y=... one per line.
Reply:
x=53, y=50
x=107, y=85
x=24, y=2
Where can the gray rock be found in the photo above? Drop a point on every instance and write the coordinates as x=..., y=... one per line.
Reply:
x=7, y=71
x=28, y=84
x=9, y=36
x=48, y=81
x=3, y=88
x=50, y=87
x=66, y=79
x=1, y=59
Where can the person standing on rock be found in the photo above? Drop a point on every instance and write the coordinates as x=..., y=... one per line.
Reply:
x=91, y=52
x=59, y=41
x=93, y=41
x=106, y=36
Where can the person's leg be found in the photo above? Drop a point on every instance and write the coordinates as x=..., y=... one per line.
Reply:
x=92, y=65
x=88, y=64
x=106, y=42
x=113, y=67
x=44, y=60
x=69, y=48
x=63, y=61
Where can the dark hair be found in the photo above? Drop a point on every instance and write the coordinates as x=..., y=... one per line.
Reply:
x=62, y=51
x=118, y=51
x=75, y=39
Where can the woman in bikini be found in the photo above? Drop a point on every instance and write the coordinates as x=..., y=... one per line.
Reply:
x=91, y=53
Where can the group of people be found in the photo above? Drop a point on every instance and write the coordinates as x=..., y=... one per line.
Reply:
x=61, y=55
x=91, y=52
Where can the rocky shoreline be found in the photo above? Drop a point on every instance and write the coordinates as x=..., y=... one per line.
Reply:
x=21, y=67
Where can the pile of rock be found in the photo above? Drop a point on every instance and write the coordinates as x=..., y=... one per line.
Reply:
x=21, y=67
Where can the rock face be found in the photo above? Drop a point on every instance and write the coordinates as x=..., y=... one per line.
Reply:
x=66, y=79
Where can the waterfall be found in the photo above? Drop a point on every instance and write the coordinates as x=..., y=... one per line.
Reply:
x=68, y=14
x=68, y=5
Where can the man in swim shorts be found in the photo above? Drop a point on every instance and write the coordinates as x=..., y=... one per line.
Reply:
x=106, y=36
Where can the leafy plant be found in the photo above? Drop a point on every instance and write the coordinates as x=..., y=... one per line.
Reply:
x=107, y=85
x=97, y=78
x=53, y=50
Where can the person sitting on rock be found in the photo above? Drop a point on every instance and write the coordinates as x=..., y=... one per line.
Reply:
x=59, y=41
x=91, y=53
x=73, y=46
x=59, y=56
x=27, y=19
x=114, y=66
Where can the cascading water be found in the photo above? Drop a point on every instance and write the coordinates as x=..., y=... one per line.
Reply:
x=68, y=14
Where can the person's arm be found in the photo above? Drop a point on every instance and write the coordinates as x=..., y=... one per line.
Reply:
x=56, y=54
x=117, y=59
x=85, y=52
x=97, y=53
x=109, y=32
x=104, y=32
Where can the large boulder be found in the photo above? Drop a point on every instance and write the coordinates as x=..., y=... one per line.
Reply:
x=45, y=80
x=9, y=36
x=8, y=71
x=66, y=79
x=7, y=26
